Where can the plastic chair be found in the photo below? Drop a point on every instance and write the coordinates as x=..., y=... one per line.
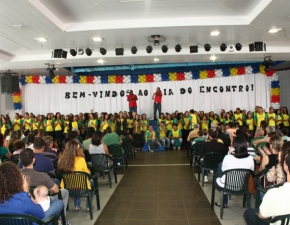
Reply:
x=100, y=163
x=31, y=189
x=127, y=145
x=117, y=153
x=20, y=219
x=236, y=183
x=195, y=152
x=211, y=161
x=285, y=219
x=77, y=185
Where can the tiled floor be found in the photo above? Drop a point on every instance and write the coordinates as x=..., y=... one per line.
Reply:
x=158, y=188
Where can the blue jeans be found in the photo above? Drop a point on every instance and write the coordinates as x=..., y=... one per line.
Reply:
x=165, y=141
x=55, y=208
x=153, y=144
x=176, y=142
x=156, y=106
x=78, y=199
x=133, y=109
x=219, y=172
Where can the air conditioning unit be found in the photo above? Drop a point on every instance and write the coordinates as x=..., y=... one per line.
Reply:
x=231, y=48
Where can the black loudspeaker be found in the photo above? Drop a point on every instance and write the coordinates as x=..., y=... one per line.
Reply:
x=193, y=49
x=259, y=46
x=9, y=84
x=252, y=47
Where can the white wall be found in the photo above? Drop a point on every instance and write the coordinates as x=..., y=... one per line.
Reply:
x=284, y=78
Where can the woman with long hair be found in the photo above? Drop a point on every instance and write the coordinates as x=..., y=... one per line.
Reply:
x=4, y=152
x=48, y=125
x=104, y=123
x=15, y=197
x=137, y=133
x=29, y=141
x=58, y=124
x=285, y=117
x=14, y=136
x=93, y=121
x=121, y=124
x=5, y=125
x=69, y=162
x=130, y=123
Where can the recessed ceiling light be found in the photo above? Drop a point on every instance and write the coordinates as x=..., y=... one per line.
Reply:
x=213, y=58
x=18, y=26
x=41, y=39
x=58, y=63
x=56, y=69
x=274, y=30
x=101, y=61
x=156, y=60
x=215, y=33
x=97, y=39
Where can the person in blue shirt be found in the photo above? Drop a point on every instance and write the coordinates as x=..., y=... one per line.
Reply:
x=15, y=197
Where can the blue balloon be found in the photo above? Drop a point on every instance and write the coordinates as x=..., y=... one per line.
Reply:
x=165, y=77
x=22, y=81
x=226, y=73
x=48, y=80
x=76, y=79
x=256, y=69
x=104, y=79
x=195, y=75
x=134, y=78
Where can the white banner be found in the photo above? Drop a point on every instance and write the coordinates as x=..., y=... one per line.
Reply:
x=214, y=94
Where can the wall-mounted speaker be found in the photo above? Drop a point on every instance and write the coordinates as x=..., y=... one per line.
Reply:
x=9, y=84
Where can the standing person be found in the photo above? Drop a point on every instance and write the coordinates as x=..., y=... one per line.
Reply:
x=58, y=123
x=157, y=97
x=272, y=117
x=238, y=117
x=17, y=122
x=48, y=125
x=132, y=98
x=285, y=117
x=27, y=123
x=137, y=133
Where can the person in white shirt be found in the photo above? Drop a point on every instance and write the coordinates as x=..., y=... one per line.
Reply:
x=275, y=201
x=238, y=158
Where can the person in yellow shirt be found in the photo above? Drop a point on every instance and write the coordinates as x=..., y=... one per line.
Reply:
x=48, y=125
x=67, y=125
x=75, y=123
x=285, y=117
x=112, y=123
x=17, y=122
x=168, y=123
x=144, y=127
x=151, y=139
x=58, y=123
x=185, y=129
x=70, y=162
x=27, y=122
x=5, y=126
x=250, y=123
x=93, y=122
x=260, y=116
x=175, y=136
x=238, y=117
x=35, y=126
x=165, y=141
x=104, y=122
x=204, y=122
x=279, y=118
x=193, y=119
x=161, y=119
x=130, y=123
x=271, y=117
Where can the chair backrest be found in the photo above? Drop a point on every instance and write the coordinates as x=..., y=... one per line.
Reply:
x=100, y=162
x=115, y=150
x=127, y=143
x=76, y=183
x=284, y=219
x=198, y=147
x=212, y=159
x=20, y=219
x=236, y=180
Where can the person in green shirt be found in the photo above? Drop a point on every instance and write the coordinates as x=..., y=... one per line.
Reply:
x=151, y=139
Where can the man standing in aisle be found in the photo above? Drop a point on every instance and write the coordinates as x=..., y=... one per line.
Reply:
x=131, y=98
x=157, y=97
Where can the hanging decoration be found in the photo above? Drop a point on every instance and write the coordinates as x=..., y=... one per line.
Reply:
x=146, y=78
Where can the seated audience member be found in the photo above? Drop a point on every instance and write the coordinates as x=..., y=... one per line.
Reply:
x=261, y=129
x=284, y=133
x=4, y=153
x=18, y=146
x=270, y=132
x=237, y=159
x=270, y=156
x=112, y=138
x=211, y=146
x=41, y=197
x=25, y=133
x=213, y=126
x=97, y=147
x=88, y=140
x=48, y=150
x=193, y=134
x=273, y=203
x=162, y=135
x=176, y=137
x=35, y=178
x=15, y=198
x=42, y=163
x=200, y=137
x=231, y=129
x=224, y=137
x=70, y=162
x=151, y=139
x=29, y=141
x=205, y=133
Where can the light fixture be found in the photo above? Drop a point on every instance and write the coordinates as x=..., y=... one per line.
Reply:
x=223, y=47
x=89, y=52
x=215, y=33
x=274, y=30
x=178, y=48
x=238, y=46
x=58, y=63
x=103, y=51
x=134, y=50
x=156, y=60
x=18, y=26
x=41, y=39
x=81, y=51
x=156, y=43
x=97, y=39
x=156, y=39
x=207, y=47
x=101, y=61
x=59, y=53
x=213, y=58
x=73, y=52
x=164, y=48
x=149, y=49
x=56, y=69
x=119, y=51
x=267, y=63
x=193, y=49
